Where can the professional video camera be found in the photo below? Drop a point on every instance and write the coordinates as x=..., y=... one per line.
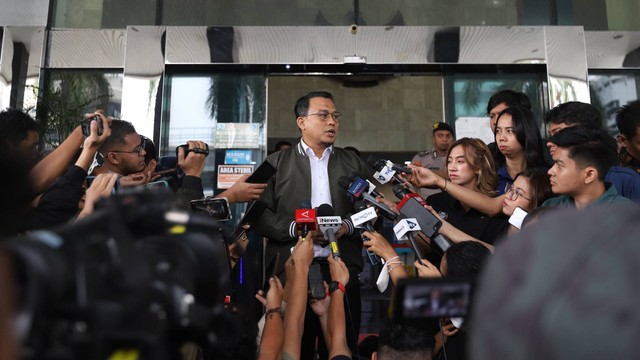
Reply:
x=135, y=277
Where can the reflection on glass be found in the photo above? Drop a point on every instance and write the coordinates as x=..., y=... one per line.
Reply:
x=68, y=94
x=197, y=103
x=139, y=103
x=610, y=91
x=471, y=94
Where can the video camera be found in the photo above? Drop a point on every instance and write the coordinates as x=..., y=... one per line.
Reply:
x=134, y=276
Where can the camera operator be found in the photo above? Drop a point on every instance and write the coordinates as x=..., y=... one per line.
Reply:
x=60, y=202
x=19, y=137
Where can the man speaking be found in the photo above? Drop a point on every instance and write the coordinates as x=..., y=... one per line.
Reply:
x=309, y=171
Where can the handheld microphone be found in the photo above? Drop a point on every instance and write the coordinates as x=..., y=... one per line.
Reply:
x=397, y=167
x=413, y=206
x=305, y=218
x=369, y=187
x=404, y=230
x=365, y=217
x=357, y=187
x=328, y=225
x=383, y=173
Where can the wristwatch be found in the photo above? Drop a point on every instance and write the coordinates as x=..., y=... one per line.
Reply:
x=335, y=285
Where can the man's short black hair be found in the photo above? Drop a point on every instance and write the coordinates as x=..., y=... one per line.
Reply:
x=510, y=98
x=465, y=259
x=628, y=119
x=302, y=105
x=280, y=144
x=149, y=149
x=575, y=113
x=14, y=127
x=119, y=129
x=588, y=147
x=406, y=339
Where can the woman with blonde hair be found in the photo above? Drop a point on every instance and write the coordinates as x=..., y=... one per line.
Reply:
x=470, y=165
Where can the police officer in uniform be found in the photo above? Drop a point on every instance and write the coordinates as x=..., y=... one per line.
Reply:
x=434, y=159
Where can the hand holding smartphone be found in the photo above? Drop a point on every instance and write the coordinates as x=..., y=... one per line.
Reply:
x=86, y=126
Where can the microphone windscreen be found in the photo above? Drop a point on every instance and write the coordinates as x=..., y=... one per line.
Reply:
x=400, y=191
x=305, y=204
x=360, y=205
x=344, y=182
x=324, y=210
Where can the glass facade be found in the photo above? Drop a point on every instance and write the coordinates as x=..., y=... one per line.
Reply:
x=69, y=94
x=592, y=14
x=468, y=95
x=227, y=111
x=612, y=89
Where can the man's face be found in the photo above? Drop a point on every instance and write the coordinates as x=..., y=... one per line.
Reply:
x=633, y=144
x=552, y=130
x=29, y=146
x=319, y=128
x=130, y=156
x=566, y=177
x=493, y=115
x=442, y=139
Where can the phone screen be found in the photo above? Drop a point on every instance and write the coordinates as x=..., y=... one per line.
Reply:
x=217, y=208
x=433, y=298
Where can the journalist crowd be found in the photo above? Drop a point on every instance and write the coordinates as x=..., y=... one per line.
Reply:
x=523, y=248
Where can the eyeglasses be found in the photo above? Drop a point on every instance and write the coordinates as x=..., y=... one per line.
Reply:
x=513, y=194
x=137, y=150
x=324, y=116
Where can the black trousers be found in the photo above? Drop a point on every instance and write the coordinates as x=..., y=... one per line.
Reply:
x=352, y=313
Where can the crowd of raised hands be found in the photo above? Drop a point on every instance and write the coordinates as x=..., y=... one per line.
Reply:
x=286, y=307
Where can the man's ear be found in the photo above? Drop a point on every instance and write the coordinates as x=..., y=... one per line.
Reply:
x=590, y=174
x=622, y=139
x=112, y=158
x=374, y=355
x=300, y=122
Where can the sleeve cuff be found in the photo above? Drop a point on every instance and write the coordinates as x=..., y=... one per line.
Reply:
x=192, y=182
x=292, y=230
x=349, y=225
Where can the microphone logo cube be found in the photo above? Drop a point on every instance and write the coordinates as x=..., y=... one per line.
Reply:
x=305, y=215
x=363, y=216
x=404, y=226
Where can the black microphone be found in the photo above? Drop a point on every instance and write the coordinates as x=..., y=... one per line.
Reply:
x=383, y=173
x=365, y=217
x=397, y=167
x=412, y=205
x=328, y=225
x=356, y=189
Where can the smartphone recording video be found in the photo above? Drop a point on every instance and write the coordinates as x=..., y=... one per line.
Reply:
x=433, y=298
x=86, y=126
x=217, y=208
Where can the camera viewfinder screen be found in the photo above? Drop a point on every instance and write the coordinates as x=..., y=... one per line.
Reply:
x=428, y=300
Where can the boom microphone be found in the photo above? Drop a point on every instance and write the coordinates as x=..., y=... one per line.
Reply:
x=413, y=206
x=357, y=187
x=328, y=225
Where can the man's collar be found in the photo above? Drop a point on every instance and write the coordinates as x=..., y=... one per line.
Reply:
x=307, y=149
